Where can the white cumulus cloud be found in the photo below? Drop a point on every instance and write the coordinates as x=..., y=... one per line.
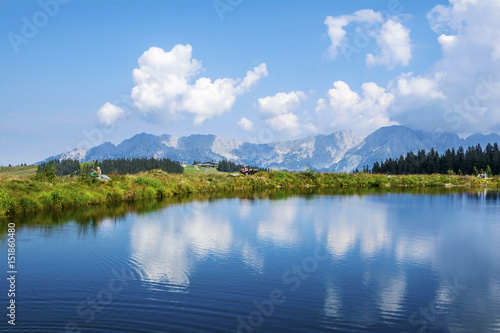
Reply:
x=108, y=114
x=245, y=124
x=336, y=26
x=392, y=37
x=346, y=109
x=163, y=85
x=461, y=91
x=252, y=78
x=278, y=110
x=163, y=77
x=420, y=87
x=281, y=103
x=287, y=122
x=395, y=44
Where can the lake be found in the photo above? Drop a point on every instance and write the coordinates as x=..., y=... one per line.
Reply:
x=315, y=260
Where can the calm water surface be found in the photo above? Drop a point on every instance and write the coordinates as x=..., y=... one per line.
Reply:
x=320, y=262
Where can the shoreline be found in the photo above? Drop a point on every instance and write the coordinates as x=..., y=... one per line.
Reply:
x=22, y=195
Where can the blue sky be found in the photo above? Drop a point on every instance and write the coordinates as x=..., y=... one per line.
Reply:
x=82, y=57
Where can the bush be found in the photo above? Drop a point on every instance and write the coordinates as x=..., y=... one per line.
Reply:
x=28, y=203
x=57, y=198
x=46, y=172
x=185, y=189
x=46, y=200
x=164, y=193
x=148, y=182
x=5, y=201
x=85, y=174
x=150, y=192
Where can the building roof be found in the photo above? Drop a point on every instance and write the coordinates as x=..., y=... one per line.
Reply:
x=208, y=164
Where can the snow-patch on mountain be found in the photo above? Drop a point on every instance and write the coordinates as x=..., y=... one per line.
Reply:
x=225, y=147
x=75, y=154
x=172, y=142
x=317, y=152
x=342, y=151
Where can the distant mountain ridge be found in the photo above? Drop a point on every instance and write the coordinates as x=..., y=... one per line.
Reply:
x=342, y=151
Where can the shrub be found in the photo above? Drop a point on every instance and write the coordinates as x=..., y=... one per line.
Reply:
x=185, y=189
x=85, y=175
x=148, y=182
x=150, y=192
x=164, y=193
x=45, y=173
x=46, y=200
x=5, y=201
x=57, y=198
x=28, y=203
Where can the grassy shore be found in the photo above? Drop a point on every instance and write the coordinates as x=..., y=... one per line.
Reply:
x=23, y=194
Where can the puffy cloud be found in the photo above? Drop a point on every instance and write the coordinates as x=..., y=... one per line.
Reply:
x=393, y=38
x=207, y=99
x=420, y=87
x=109, y=113
x=447, y=42
x=252, y=78
x=162, y=77
x=395, y=44
x=451, y=19
x=287, y=122
x=342, y=97
x=281, y=103
x=345, y=109
x=163, y=85
x=422, y=95
x=278, y=110
x=337, y=24
x=310, y=128
x=245, y=124
x=461, y=91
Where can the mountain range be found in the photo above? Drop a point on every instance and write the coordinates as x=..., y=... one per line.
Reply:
x=341, y=151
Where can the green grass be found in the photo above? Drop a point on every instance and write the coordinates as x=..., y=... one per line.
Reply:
x=18, y=171
x=25, y=194
x=193, y=170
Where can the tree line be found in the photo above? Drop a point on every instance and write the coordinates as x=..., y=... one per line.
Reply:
x=60, y=168
x=121, y=166
x=473, y=161
x=10, y=165
x=228, y=166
